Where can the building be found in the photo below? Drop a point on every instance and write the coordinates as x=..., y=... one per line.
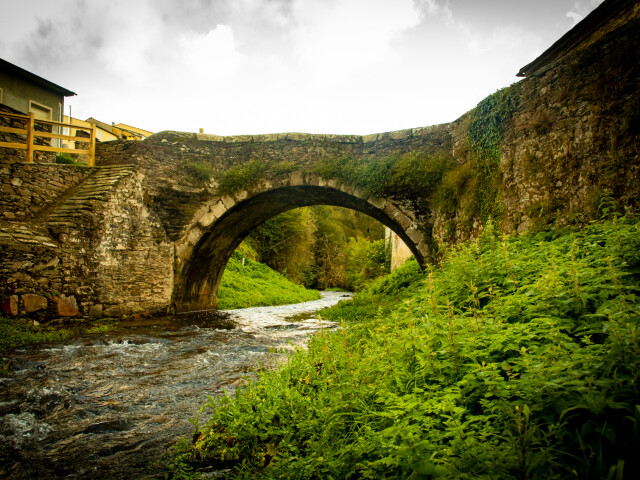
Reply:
x=104, y=131
x=121, y=131
x=27, y=92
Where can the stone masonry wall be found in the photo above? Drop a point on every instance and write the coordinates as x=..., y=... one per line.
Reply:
x=29, y=189
x=96, y=253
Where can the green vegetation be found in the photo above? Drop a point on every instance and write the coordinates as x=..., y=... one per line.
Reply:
x=199, y=171
x=254, y=284
x=407, y=175
x=471, y=189
x=322, y=247
x=19, y=331
x=517, y=358
x=242, y=177
x=67, y=159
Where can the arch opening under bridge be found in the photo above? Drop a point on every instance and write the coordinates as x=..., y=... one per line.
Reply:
x=204, y=250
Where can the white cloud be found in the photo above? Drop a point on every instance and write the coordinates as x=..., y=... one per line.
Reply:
x=337, y=37
x=258, y=66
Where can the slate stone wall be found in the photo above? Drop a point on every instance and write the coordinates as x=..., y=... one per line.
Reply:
x=30, y=189
x=96, y=252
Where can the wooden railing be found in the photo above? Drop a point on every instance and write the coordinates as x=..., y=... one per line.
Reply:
x=31, y=133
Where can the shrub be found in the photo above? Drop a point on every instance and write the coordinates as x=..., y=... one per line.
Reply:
x=517, y=358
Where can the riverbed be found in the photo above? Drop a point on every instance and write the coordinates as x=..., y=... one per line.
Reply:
x=111, y=405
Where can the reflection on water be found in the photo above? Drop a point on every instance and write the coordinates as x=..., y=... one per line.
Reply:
x=109, y=405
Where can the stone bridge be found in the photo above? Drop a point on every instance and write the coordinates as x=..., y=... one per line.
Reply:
x=154, y=224
x=206, y=218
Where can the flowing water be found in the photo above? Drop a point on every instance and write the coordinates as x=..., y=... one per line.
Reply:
x=110, y=405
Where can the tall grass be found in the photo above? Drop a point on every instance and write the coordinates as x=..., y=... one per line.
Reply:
x=254, y=284
x=518, y=358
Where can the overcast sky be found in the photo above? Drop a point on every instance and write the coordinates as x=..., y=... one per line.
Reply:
x=266, y=66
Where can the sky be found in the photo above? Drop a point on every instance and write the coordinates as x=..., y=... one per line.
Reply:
x=234, y=67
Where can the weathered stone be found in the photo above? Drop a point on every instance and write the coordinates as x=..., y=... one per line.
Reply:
x=95, y=311
x=113, y=311
x=296, y=178
x=10, y=305
x=218, y=209
x=207, y=219
x=67, y=306
x=33, y=303
x=50, y=264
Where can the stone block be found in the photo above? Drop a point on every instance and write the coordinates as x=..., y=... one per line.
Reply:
x=95, y=311
x=241, y=195
x=296, y=179
x=10, y=305
x=67, y=306
x=33, y=302
x=207, y=219
x=193, y=236
x=377, y=202
x=228, y=201
x=113, y=311
x=414, y=235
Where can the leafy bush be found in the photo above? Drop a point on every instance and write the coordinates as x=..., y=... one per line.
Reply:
x=63, y=158
x=365, y=260
x=519, y=358
x=241, y=177
x=199, y=171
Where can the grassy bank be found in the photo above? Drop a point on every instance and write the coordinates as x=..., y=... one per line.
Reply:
x=16, y=332
x=255, y=284
x=518, y=358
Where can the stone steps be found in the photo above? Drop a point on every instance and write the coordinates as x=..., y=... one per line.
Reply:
x=93, y=191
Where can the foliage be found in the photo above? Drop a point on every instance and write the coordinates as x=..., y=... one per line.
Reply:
x=285, y=243
x=343, y=239
x=16, y=332
x=407, y=175
x=64, y=158
x=310, y=245
x=254, y=284
x=241, y=177
x=198, y=170
x=485, y=133
x=379, y=296
x=518, y=358
x=365, y=260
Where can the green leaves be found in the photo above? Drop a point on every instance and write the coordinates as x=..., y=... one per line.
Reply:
x=517, y=358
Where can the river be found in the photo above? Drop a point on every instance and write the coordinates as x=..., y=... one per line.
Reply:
x=110, y=405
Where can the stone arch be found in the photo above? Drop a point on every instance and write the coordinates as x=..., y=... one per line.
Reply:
x=220, y=226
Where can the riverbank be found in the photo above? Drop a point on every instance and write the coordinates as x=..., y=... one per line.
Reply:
x=16, y=332
x=247, y=283
x=244, y=284
x=518, y=358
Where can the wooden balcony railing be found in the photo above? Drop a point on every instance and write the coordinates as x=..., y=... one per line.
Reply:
x=31, y=134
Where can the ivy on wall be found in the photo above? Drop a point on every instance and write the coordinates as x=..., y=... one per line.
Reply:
x=485, y=134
